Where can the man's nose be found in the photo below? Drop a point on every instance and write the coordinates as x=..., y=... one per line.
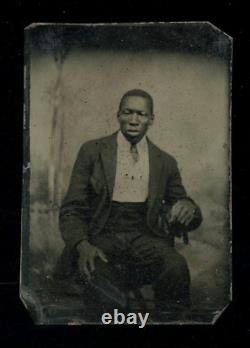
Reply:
x=134, y=119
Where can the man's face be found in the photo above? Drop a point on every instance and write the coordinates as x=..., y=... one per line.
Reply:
x=135, y=116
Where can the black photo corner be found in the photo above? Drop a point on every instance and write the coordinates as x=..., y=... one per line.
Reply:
x=16, y=325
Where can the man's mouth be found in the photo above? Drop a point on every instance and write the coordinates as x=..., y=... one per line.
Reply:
x=133, y=130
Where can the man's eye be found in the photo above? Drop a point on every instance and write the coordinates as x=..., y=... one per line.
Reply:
x=126, y=112
x=130, y=112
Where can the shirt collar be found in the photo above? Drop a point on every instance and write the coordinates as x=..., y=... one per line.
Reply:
x=123, y=143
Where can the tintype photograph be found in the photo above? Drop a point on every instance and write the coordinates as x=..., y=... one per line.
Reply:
x=126, y=212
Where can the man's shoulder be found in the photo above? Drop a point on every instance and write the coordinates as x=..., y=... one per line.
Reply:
x=96, y=144
x=162, y=153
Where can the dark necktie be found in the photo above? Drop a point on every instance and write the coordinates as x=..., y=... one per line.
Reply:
x=134, y=152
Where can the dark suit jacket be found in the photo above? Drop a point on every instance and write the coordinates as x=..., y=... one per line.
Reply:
x=87, y=204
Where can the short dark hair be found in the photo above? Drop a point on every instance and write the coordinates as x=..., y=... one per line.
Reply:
x=138, y=93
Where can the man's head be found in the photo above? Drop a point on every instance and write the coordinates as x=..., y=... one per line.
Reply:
x=135, y=114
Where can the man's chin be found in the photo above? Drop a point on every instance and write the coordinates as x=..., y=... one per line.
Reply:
x=133, y=137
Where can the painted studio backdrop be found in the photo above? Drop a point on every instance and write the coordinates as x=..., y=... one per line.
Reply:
x=75, y=77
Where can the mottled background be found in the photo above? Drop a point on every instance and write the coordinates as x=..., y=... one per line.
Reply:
x=74, y=94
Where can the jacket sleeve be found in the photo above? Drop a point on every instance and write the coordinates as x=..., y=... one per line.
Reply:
x=175, y=192
x=74, y=212
x=175, y=189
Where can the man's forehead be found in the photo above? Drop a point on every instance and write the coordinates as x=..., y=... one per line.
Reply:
x=135, y=102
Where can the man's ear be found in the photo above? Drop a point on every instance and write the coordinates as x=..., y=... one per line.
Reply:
x=151, y=120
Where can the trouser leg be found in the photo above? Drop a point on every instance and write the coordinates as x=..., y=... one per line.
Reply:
x=141, y=260
x=106, y=290
x=172, y=287
x=160, y=265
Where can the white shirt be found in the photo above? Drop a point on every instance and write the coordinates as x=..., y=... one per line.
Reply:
x=132, y=178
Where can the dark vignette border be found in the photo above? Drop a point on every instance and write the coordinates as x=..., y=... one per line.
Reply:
x=15, y=325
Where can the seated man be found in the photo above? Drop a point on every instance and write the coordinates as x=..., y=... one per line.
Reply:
x=123, y=208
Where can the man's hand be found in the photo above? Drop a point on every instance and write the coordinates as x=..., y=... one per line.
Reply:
x=182, y=211
x=87, y=254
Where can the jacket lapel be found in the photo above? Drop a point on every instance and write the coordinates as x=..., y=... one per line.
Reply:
x=155, y=172
x=109, y=158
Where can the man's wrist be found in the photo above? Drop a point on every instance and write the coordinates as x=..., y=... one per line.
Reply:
x=82, y=243
x=190, y=201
